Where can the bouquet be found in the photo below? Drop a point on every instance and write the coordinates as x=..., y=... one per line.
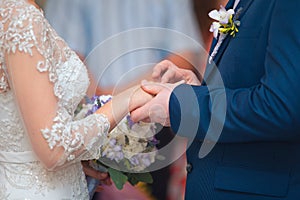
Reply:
x=129, y=150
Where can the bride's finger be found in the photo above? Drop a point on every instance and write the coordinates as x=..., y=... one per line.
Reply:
x=107, y=181
x=99, y=189
x=141, y=113
x=88, y=170
x=151, y=87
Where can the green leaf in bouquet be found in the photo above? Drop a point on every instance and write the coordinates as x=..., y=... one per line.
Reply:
x=133, y=179
x=144, y=177
x=118, y=178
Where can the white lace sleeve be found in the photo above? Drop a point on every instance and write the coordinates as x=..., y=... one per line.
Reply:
x=49, y=81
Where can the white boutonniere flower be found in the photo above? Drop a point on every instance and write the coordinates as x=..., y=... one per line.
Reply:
x=226, y=23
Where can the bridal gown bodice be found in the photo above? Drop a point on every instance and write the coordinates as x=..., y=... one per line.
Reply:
x=25, y=31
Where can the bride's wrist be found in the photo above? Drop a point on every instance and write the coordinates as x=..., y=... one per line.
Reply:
x=139, y=98
x=122, y=102
x=132, y=92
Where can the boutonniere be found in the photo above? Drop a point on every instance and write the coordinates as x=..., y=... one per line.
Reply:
x=227, y=22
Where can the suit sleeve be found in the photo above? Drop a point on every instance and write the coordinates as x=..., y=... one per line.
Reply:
x=268, y=111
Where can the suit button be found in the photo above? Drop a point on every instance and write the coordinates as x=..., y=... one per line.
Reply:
x=189, y=168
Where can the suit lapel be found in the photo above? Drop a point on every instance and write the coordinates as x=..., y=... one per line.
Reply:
x=244, y=5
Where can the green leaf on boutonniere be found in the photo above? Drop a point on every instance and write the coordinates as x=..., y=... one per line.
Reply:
x=230, y=27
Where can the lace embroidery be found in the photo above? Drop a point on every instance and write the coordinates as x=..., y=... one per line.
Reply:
x=27, y=175
x=11, y=128
x=24, y=28
x=33, y=176
x=3, y=81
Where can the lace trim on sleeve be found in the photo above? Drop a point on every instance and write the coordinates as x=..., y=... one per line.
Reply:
x=59, y=136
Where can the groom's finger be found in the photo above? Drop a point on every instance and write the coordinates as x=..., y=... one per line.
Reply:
x=141, y=113
x=150, y=112
x=147, y=120
x=151, y=87
x=160, y=69
x=169, y=76
x=158, y=114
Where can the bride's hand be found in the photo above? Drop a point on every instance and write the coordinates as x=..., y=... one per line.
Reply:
x=139, y=98
x=102, y=176
x=167, y=72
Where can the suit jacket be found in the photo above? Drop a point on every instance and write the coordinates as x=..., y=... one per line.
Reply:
x=257, y=155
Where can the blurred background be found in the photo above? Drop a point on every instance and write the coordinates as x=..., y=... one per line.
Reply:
x=200, y=8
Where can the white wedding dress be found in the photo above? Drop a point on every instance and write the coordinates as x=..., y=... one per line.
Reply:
x=40, y=153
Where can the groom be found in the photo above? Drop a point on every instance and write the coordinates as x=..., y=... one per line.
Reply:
x=256, y=154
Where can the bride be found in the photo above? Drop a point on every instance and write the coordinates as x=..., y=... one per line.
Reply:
x=41, y=83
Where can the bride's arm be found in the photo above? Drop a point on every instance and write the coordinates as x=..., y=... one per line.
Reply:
x=56, y=138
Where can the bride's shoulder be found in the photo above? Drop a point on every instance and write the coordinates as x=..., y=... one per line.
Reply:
x=18, y=10
x=6, y=4
x=21, y=24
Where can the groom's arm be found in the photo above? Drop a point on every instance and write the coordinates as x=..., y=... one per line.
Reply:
x=268, y=111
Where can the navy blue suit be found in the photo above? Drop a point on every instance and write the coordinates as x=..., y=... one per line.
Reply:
x=257, y=156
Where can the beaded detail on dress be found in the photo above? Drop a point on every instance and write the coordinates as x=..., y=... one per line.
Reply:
x=3, y=81
x=24, y=29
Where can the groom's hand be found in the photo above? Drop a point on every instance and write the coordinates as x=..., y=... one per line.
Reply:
x=157, y=109
x=167, y=72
